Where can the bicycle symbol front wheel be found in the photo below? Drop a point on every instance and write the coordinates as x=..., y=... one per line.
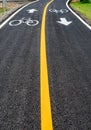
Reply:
x=15, y=22
x=63, y=11
x=32, y=23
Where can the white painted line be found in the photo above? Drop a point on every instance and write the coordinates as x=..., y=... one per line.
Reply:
x=87, y=25
x=6, y=21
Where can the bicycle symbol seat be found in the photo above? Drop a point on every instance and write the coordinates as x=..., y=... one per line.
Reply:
x=29, y=22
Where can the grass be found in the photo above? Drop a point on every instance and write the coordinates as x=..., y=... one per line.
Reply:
x=84, y=8
x=1, y=10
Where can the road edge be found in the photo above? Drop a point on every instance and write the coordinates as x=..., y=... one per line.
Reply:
x=85, y=23
x=15, y=12
x=10, y=12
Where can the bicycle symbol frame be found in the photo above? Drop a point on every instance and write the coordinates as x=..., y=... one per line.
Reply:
x=29, y=22
x=58, y=11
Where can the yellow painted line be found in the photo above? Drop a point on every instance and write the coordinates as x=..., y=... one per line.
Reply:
x=46, y=113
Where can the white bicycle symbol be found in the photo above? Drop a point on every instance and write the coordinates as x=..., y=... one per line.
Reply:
x=58, y=11
x=28, y=21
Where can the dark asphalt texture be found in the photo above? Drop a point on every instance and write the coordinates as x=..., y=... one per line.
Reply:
x=69, y=69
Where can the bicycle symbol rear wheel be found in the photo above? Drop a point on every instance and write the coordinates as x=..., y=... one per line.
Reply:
x=53, y=10
x=15, y=22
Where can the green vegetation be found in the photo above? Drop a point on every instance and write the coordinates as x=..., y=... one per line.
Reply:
x=85, y=1
x=1, y=10
x=84, y=8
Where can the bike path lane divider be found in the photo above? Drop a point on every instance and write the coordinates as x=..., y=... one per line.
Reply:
x=8, y=19
x=45, y=104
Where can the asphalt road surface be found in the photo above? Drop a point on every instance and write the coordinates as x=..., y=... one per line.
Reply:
x=68, y=51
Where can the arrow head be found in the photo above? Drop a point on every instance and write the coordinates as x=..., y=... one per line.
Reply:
x=64, y=21
x=31, y=10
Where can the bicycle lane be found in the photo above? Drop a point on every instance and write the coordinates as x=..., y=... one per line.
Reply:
x=19, y=71
x=69, y=65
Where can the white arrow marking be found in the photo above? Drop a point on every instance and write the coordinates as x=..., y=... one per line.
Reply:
x=64, y=21
x=31, y=10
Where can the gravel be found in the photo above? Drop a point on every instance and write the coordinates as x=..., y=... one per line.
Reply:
x=11, y=7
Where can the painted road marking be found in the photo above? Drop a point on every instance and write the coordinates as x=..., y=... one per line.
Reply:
x=28, y=21
x=8, y=19
x=46, y=114
x=58, y=11
x=64, y=21
x=31, y=11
